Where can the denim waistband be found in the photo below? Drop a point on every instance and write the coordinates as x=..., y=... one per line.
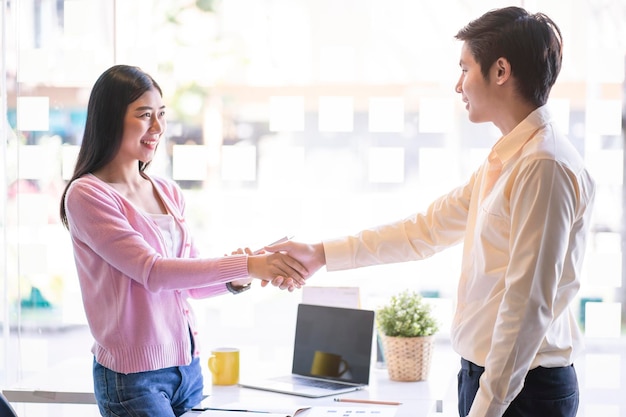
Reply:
x=470, y=366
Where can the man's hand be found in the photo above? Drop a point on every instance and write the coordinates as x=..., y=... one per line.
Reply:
x=310, y=256
x=287, y=271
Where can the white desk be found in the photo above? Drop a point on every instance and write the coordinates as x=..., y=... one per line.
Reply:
x=432, y=398
x=71, y=383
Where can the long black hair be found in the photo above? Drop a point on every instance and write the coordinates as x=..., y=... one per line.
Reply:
x=113, y=91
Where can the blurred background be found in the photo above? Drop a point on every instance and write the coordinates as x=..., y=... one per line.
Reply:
x=311, y=118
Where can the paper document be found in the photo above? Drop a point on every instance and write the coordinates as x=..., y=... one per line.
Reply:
x=346, y=297
x=232, y=413
x=268, y=409
x=352, y=411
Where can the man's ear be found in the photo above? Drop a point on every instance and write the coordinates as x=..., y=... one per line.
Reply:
x=502, y=69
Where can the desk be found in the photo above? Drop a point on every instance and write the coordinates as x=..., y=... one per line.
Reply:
x=419, y=399
x=431, y=398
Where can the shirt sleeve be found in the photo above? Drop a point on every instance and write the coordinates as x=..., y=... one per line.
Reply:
x=543, y=204
x=416, y=237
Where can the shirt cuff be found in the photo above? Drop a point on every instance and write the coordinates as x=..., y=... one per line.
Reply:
x=482, y=407
x=337, y=253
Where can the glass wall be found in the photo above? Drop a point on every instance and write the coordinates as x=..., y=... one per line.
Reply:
x=312, y=118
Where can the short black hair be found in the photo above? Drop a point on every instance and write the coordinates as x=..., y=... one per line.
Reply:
x=532, y=43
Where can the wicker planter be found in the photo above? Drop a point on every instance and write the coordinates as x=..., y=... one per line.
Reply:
x=408, y=358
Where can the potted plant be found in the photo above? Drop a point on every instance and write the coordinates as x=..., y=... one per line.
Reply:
x=407, y=326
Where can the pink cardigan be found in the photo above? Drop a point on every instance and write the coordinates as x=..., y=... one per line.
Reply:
x=134, y=297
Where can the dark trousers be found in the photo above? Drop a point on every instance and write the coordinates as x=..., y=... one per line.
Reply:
x=547, y=392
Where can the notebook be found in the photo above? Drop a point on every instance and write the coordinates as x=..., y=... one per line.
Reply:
x=331, y=353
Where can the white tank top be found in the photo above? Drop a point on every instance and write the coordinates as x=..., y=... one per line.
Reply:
x=171, y=233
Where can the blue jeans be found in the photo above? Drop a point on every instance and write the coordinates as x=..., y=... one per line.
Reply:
x=165, y=392
x=547, y=392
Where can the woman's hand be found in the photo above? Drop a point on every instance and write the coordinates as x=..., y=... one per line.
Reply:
x=242, y=281
x=310, y=255
x=279, y=268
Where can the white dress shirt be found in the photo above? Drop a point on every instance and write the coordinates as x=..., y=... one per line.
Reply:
x=523, y=246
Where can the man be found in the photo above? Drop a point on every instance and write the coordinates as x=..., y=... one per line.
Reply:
x=522, y=216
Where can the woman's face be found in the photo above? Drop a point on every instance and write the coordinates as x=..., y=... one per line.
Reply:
x=144, y=124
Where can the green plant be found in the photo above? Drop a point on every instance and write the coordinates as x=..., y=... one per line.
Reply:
x=406, y=315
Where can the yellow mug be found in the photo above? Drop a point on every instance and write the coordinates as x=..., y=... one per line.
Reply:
x=224, y=366
x=328, y=364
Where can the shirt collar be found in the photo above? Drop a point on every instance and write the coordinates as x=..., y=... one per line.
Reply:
x=510, y=144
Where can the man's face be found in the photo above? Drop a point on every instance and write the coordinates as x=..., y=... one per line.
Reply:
x=476, y=92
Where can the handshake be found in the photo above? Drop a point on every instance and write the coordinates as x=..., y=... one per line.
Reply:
x=285, y=263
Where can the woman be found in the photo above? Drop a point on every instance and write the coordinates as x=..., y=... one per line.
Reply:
x=135, y=258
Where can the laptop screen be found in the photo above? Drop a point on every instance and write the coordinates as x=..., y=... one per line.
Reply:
x=333, y=343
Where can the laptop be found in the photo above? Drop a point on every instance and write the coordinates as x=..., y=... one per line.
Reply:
x=331, y=355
